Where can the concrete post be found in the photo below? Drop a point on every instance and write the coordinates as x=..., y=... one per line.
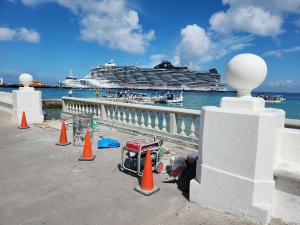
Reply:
x=237, y=147
x=28, y=100
x=82, y=123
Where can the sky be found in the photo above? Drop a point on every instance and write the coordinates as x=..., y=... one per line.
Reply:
x=48, y=38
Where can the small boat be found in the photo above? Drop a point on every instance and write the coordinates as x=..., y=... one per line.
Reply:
x=170, y=98
x=271, y=98
x=140, y=98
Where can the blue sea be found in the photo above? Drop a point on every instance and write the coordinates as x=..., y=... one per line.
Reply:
x=191, y=100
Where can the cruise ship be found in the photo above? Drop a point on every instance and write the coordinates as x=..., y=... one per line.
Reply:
x=72, y=82
x=164, y=76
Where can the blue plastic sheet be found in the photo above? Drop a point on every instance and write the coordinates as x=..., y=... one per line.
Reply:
x=108, y=143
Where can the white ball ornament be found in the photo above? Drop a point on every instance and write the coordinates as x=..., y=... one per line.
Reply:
x=245, y=72
x=26, y=79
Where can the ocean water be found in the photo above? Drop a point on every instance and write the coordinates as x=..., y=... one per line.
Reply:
x=191, y=100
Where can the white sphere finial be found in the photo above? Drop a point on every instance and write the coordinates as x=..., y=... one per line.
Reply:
x=26, y=79
x=245, y=72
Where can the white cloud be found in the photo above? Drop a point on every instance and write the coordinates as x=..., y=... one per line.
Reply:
x=279, y=53
x=198, y=46
x=20, y=34
x=279, y=83
x=194, y=45
x=294, y=49
x=7, y=34
x=108, y=22
x=28, y=35
x=261, y=17
x=247, y=19
x=291, y=6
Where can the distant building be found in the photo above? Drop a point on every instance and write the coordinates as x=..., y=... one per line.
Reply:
x=1, y=80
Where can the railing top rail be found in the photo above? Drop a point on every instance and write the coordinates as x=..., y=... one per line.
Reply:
x=137, y=106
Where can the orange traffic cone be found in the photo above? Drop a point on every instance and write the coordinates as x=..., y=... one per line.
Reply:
x=63, y=141
x=23, y=122
x=87, y=150
x=147, y=186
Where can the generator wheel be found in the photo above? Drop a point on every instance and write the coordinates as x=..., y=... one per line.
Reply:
x=159, y=167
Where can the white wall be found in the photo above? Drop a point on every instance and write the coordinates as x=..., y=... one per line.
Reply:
x=6, y=102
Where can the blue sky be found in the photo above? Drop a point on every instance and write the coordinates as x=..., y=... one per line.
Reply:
x=47, y=38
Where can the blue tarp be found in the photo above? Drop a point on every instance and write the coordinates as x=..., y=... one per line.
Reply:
x=108, y=143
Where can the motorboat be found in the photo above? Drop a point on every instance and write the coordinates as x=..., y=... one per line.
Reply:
x=271, y=98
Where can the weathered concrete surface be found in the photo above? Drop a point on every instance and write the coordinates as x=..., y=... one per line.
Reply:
x=41, y=183
x=52, y=103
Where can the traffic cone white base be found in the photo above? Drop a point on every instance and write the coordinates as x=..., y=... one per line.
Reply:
x=145, y=192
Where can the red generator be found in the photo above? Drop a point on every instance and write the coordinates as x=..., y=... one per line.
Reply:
x=135, y=152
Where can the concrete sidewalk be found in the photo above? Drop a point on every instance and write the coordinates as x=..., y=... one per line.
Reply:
x=41, y=183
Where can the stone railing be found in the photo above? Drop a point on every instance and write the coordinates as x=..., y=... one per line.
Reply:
x=173, y=124
x=6, y=102
x=170, y=124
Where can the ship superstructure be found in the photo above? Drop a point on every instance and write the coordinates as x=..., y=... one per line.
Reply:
x=162, y=76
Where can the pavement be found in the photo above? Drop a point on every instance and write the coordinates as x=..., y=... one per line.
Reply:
x=42, y=183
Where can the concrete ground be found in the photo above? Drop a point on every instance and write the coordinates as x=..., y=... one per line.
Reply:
x=41, y=183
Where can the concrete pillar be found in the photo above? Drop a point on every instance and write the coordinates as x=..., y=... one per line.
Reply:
x=82, y=123
x=237, y=147
x=28, y=100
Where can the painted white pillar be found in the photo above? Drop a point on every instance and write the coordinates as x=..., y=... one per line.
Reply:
x=237, y=146
x=28, y=100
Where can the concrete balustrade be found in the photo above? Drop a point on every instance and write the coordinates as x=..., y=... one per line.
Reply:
x=172, y=124
x=6, y=102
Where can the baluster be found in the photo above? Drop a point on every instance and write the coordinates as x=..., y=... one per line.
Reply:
x=90, y=109
x=79, y=107
x=129, y=116
x=82, y=108
x=108, y=113
x=76, y=108
x=136, y=119
x=99, y=112
x=119, y=115
x=114, y=114
x=142, y=119
x=173, y=123
x=103, y=112
x=95, y=111
x=164, y=123
x=192, y=134
x=124, y=116
x=182, y=126
x=67, y=107
x=156, y=122
x=73, y=107
x=149, y=120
